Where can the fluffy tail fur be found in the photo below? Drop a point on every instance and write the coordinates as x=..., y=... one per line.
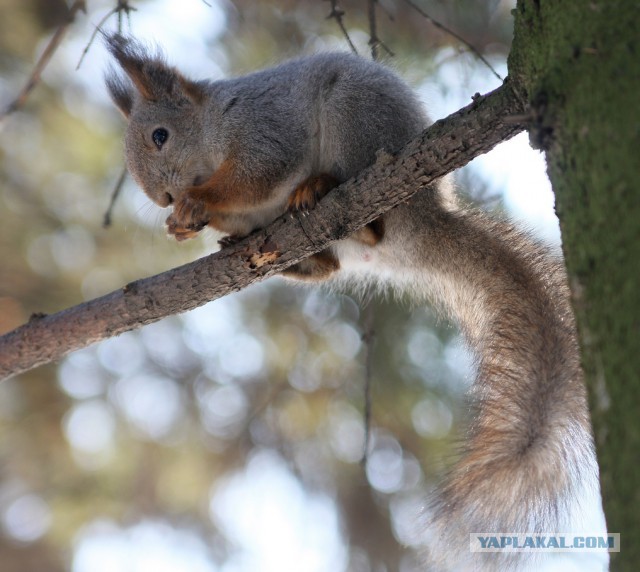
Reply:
x=529, y=447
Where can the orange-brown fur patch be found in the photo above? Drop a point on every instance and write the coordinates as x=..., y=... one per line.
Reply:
x=371, y=234
x=310, y=191
x=315, y=268
x=226, y=191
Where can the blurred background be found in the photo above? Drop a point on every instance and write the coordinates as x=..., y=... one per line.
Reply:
x=228, y=439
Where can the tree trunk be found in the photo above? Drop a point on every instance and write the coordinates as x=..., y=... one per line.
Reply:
x=577, y=61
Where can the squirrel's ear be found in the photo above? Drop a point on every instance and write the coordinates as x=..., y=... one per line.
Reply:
x=135, y=61
x=121, y=92
x=151, y=76
x=192, y=90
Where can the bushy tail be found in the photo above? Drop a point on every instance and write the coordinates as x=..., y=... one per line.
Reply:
x=529, y=448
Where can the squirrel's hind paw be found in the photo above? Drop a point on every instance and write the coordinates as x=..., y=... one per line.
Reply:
x=316, y=268
x=230, y=240
x=309, y=192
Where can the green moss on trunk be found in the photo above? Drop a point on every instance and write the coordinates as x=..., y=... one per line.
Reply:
x=578, y=62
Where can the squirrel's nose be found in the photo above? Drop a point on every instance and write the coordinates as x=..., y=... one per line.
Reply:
x=165, y=199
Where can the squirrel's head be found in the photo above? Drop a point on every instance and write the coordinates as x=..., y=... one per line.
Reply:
x=164, y=141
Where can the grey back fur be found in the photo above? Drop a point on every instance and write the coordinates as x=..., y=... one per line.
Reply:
x=327, y=113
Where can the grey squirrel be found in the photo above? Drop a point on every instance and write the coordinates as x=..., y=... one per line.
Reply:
x=237, y=153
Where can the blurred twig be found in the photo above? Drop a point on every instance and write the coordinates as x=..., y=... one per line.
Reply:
x=458, y=37
x=368, y=338
x=46, y=56
x=337, y=14
x=374, y=41
x=373, y=34
x=114, y=197
x=122, y=6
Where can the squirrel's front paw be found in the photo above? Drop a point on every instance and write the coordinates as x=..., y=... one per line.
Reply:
x=188, y=218
x=179, y=232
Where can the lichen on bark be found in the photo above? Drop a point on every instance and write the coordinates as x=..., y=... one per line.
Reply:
x=577, y=63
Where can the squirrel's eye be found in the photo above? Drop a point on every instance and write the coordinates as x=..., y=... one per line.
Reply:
x=160, y=136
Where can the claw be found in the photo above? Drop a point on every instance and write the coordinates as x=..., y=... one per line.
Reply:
x=309, y=192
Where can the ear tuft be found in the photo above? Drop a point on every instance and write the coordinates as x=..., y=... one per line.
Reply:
x=135, y=60
x=150, y=74
x=121, y=91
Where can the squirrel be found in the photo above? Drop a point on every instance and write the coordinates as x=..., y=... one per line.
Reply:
x=237, y=153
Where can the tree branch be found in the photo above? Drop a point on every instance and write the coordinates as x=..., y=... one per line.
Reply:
x=337, y=14
x=447, y=145
x=455, y=35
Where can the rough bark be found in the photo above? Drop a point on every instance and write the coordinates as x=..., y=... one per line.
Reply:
x=578, y=62
x=447, y=145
